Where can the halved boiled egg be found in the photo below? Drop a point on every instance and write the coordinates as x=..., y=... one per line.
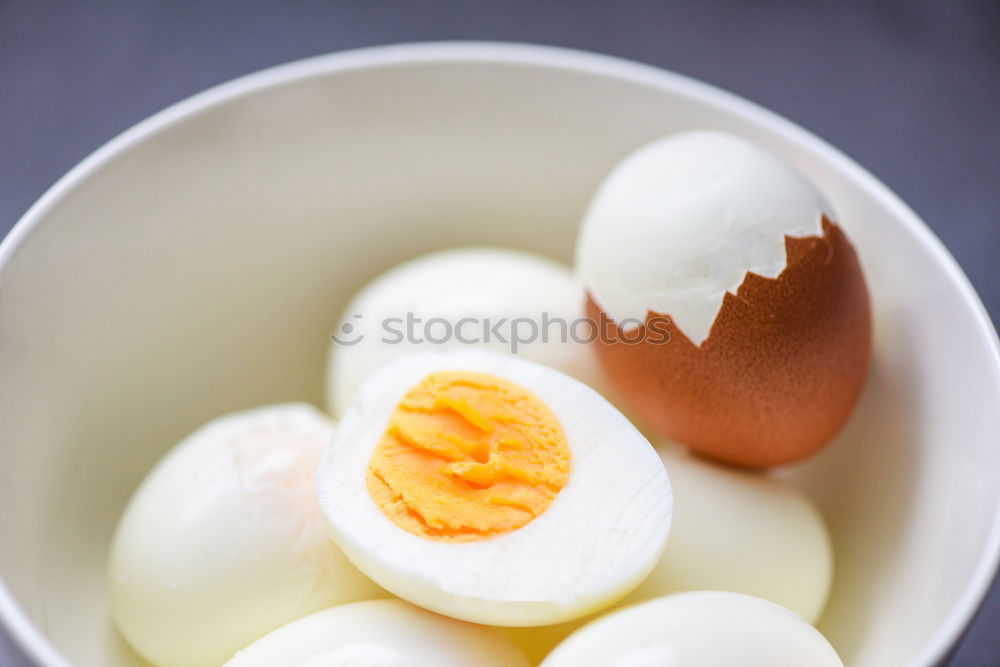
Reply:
x=224, y=541
x=699, y=629
x=493, y=490
x=734, y=310
x=380, y=633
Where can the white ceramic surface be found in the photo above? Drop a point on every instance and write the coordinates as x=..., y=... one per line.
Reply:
x=197, y=263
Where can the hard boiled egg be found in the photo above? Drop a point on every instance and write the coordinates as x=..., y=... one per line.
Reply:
x=493, y=490
x=745, y=533
x=700, y=629
x=224, y=541
x=491, y=298
x=734, y=311
x=380, y=633
x=731, y=531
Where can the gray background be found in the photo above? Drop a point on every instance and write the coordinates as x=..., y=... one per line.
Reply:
x=909, y=89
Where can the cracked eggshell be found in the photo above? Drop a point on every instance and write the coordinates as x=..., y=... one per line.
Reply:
x=769, y=331
x=224, y=541
x=597, y=540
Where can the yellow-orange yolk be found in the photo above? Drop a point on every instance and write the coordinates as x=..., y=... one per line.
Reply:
x=467, y=456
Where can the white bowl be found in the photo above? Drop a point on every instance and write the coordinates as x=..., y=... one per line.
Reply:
x=196, y=265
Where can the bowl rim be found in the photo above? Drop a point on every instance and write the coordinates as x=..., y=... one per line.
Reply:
x=29, y=637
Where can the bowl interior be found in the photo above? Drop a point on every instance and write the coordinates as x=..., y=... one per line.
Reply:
x=199, y=265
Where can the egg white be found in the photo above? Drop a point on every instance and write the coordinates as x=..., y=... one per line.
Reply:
x=698, y=629
x=224, y=541
x=494, y=285
x=595, y=542
x=731, y=531
x=741, y=532
x=679, y=222
x=380, y=633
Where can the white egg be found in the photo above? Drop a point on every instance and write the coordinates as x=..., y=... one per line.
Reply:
x=489, y=298
x=600, y=536
x=224, y=542
x=745, y=533
x=698, y=629
x=380, y=633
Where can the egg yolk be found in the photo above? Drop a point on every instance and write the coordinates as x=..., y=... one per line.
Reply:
x=467, y=456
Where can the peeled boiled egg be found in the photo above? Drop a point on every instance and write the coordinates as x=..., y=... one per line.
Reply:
x=745, y=533
x=731, y=531
x=699, y=629
x=380, y=633
x=224, y=541
x=493, y=490
x=491, y=298
x=735, y=314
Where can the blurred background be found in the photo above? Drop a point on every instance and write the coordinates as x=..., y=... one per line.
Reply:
x=911, y=90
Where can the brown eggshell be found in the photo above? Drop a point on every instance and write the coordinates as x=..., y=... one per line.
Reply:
x=779, y=373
